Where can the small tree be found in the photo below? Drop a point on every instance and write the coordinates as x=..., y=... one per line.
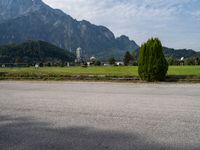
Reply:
x=197, y=61
x=152, y=63
x=18, y=60
x=133, y=62
x=190, y=62
x=170, y=61
x=97, y=63
x=127, y=58
x=112, y=61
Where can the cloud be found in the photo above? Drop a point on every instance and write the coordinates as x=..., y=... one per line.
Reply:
x=171, y=20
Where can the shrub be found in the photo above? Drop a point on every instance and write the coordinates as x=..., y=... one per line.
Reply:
x=127, y=58
x=97, y=63
x=152, y=63
x=111, y=61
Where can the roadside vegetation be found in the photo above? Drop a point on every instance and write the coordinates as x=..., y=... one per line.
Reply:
x=152, y=63
x=99, y=73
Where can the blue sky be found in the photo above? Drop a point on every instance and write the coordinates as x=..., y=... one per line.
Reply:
x=175, y=22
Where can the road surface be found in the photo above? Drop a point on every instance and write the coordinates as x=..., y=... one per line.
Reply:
x=99, y=116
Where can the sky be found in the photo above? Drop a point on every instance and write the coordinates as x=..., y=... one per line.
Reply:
x=175, y=22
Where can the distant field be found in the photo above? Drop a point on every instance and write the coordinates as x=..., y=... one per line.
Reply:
x=56, y=72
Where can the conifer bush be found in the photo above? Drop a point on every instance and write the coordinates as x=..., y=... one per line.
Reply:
x=152, y=63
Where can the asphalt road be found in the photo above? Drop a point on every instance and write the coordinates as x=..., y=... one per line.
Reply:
x=99, y=116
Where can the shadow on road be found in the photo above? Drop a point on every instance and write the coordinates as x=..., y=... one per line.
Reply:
x=28, y=134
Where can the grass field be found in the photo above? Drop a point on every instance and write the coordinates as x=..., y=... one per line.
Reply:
x=59, y=73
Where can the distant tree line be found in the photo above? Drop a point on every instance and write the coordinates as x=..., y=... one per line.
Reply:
x=186, y=61
x=32, y=52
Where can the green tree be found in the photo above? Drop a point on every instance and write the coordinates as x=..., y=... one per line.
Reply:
x=197, y=61
x=152, y=63
x=170, y=61
x=133, y=54
x=18, y=60
x=127, y=58
x=97, y=63
x=111, y=61
x=190, y=62
x=133, y=61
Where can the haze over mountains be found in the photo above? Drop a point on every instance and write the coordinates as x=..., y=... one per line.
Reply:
x=22, y=20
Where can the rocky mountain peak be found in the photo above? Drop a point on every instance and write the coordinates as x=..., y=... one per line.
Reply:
x=22, y=20
x=13, y=8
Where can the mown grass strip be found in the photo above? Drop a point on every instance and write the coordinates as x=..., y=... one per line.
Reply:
x=94, y=73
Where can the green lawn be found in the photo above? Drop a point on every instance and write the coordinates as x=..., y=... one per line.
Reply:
x=73, y=71
x=107, y=71
x=184, y=70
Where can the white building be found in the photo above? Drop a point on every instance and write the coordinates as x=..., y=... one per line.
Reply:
x=92, y=59
x=120, y=63
x=78, y=54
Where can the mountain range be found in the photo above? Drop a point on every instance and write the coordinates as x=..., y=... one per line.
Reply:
x=22, y=20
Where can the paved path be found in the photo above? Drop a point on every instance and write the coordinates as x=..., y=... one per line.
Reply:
x=99, y=116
